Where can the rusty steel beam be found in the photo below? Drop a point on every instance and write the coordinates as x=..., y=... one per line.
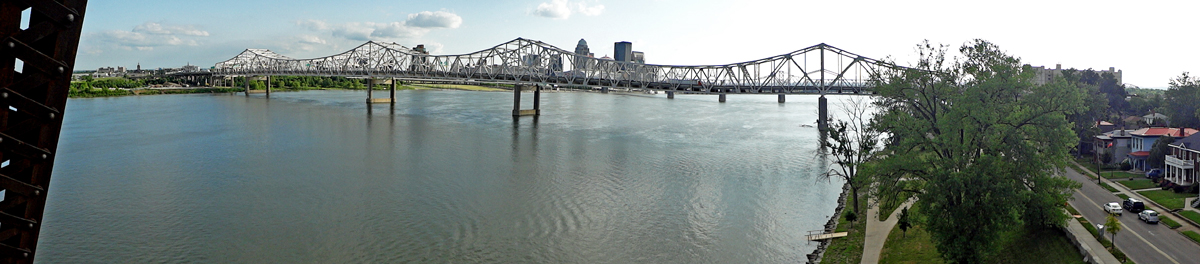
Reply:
x=31, y=112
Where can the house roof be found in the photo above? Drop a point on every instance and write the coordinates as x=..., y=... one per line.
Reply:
x=1115, y=134
x=1191, y=142
x=1163, y=131
x=1139, y=153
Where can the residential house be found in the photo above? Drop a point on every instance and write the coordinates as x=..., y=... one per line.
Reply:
x=1113, y=143
x=1183, y=160
x=1143, y=139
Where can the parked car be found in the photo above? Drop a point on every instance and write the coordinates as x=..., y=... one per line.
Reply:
x=1150, y=216
x=1113, y=208
x=1133, y=205
x=1155, y=173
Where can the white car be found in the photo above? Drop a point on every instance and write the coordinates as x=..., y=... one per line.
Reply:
x=1113, y=208
x=1150, y=216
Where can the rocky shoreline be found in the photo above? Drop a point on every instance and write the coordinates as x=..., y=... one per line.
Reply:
x=830, y=226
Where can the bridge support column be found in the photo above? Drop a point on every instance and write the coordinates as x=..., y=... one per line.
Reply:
x=603, y=89
x=721, y=98
x=823, y=114
x=393, y=92
x=516, y=100
x=537, y=100
x=782, y=98
x=670, y=95
x=268, y=86
x=247, y=79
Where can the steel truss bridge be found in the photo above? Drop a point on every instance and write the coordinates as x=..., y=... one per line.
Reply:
x=525, y=61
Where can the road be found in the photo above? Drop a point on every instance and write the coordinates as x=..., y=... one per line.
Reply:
x=1141, y=242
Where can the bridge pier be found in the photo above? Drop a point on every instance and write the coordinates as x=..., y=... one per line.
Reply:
x=393, y=92
x=782, y=98
x=370, y=84
x=247, y=82
x=823, y=113
x=670, y=95
x=603, y=89
x=268, y=86
x=721, y=98
x=537, y=97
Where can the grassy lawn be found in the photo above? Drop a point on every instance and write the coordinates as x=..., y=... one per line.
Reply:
x=1138, y=184
x=914, y=247
x=1170, y=223
x=1049, y=244
x=1193, y=235
x=1120, y=175
x=1109, y=187
x=1122, y=196
x=1194, y=216
x=848, y=249
x=1167, y=198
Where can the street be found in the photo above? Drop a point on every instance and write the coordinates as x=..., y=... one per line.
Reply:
x=1141, y=242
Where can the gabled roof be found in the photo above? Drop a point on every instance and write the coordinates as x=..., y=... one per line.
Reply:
x=1191, y=142
x=1164, y=131
x=1115, y=134
x=1140, y=153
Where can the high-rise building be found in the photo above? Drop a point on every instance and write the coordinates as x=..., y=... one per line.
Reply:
x=1043, y=75
x=583, y=53
x=623, y=51
x=639, y=57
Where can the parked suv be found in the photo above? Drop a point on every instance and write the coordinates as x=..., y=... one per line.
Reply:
x=1113, y=208
x=1150, y=216
x=1133, y=205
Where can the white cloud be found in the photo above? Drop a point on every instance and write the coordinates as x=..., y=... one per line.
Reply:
x=150, y=35
x=562, y=9
x=439, y=19
x=415, y=26
x=310, y=39
x=556, y=9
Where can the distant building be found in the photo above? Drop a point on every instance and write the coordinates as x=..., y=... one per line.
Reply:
x=623, y=51
x=190, y=68
x=121, y=69
x=639, y=57
x=583, y=53
x=1042, y=75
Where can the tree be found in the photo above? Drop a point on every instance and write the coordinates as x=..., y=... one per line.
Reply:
x=903, y=222
x=1112, y=226
x=977, y=136
x=851, y=216
x=852, y=142
x=1158, y=152
x=1181, y=99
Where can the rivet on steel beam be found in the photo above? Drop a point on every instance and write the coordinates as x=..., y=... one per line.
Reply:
x=51, y=115
x=36, y=192
x=4, y=95
x=71, y=17
x=60, y=69
x=44, y=156
x=12, y=44
x=24, y=255
x=30, y=225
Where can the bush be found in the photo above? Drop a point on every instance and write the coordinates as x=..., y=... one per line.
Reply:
x=1126, y=166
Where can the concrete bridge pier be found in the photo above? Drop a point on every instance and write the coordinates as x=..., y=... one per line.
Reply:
x=603, y=89
x=782, y=98
x=247, y=82
x=721, y=98
x=268, y=86
x=670, y=95
x=537, y=98
x=393, y=92
x=370, y=84
x=823, y=114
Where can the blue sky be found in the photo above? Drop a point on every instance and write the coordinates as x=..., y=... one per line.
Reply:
x=1151, y=41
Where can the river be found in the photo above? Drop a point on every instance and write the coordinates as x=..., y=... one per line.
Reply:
x=446, y=176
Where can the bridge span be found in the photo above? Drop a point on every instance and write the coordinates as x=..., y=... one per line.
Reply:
x=817, y=69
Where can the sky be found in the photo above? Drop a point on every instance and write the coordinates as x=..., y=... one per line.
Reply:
x=1150, y=41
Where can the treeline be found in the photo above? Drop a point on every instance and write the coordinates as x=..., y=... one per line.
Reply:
x=89, y=87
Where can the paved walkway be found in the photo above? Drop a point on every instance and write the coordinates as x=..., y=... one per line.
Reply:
x=877, y=232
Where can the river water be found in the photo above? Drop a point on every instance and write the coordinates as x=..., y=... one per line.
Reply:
x=446, y=176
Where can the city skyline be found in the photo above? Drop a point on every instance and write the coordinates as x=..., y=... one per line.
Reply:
x=1097, y=36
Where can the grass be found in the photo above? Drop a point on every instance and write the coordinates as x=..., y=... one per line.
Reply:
x=1120, y=175
x=886, y=210
x=1167, y=221
x=1194, y=216
x=1169, y=199
x=1138, y=184
x=1109, y=187
x=1193, y=235
x=1122, y=196
x=1049, y=244
x=847, y=249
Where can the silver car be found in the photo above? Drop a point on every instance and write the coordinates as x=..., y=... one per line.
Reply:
x=1150, y=216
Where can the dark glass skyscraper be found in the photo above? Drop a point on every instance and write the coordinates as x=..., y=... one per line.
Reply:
x=623, y=51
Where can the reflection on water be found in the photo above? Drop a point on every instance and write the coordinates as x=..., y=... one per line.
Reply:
x=445, y=176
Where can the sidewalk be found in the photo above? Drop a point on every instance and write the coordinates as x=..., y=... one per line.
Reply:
x=877, y=232
x=1185, y=225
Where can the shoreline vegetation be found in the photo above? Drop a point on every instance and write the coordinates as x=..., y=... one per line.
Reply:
x=112, y=87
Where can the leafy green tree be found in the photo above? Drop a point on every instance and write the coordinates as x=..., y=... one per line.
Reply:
x=1112, y=225
x=903, y=222
x=852, y=142
x=1181, y=101
x=1159, y=151
x=982, y=140
x=851, y=216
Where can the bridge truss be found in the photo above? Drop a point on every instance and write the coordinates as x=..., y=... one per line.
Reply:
x=808, y=70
